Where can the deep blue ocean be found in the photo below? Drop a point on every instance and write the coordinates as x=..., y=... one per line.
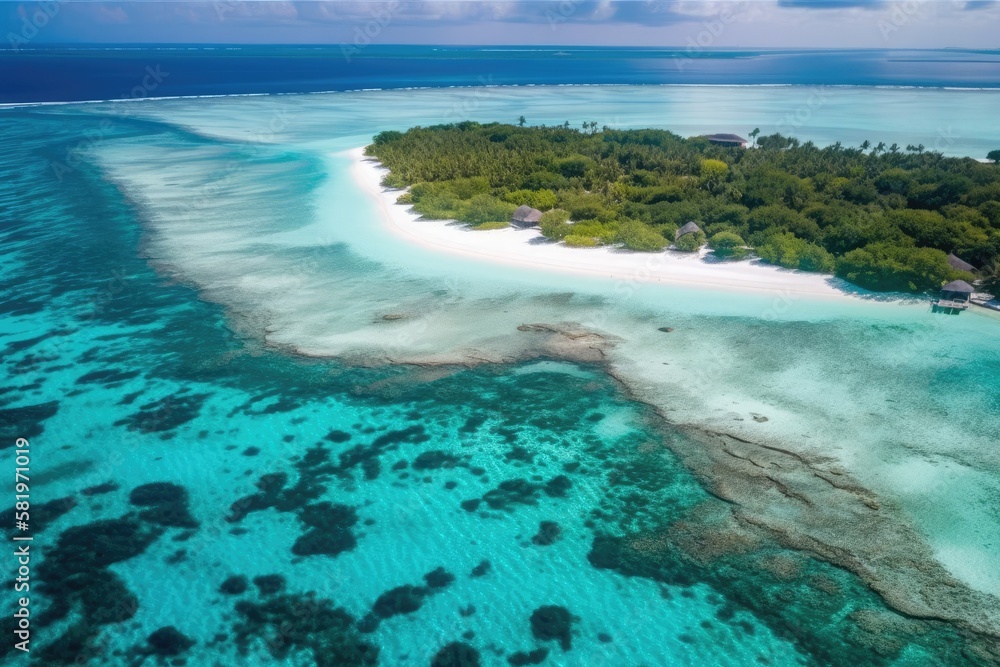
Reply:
x=96, y=73
x=203, y=495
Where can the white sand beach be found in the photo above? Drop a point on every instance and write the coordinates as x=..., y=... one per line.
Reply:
x=527, y=247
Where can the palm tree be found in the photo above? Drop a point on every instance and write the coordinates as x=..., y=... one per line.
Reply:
x=865, y=145
x=894, y=148
x=753, y=135
x=521, y=121
x=879, y=148
x=991, y=280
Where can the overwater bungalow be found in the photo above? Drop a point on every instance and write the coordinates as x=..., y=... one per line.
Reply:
x=954, y=297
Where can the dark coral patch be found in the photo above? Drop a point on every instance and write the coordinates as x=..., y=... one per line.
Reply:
x=166, y=503
x=471, y=505
x=329, y=531
x=435, y=459
x=558, y=486
x=165, y=414
x=439, y=578
x=319, y=543
x=269, y=584
x=512, y=492
x=95, y=546
x=310, y=627
x=100, y=489
x=109, y=377
x=481, y=570
x=522, y=658
x=548, y=533
x=234, y=585
x=24, y=422
x=168, y=641
x=366, y=457
x=456, y=654
x=337, y=436
x=472, y=424
x=553, y=622
x=157, y=493
x=270, y=486
x=105, y=597
x=44, y=514
x=72, y=647
x=520, y=454
x=404, y=599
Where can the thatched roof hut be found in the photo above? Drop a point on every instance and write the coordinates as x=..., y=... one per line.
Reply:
x=958, y=290
x=689, y=228
x=525, y=216
x=959, y=264
x=730, y=140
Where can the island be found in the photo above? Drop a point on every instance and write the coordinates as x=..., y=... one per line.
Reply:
x=878, y=216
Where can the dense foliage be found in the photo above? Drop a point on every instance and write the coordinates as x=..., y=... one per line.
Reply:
x=878, y=216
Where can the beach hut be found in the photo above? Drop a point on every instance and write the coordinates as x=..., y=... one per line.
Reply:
x=525, y=216
x=954, y=296
x=728, y=140
x=959, y=264
x=689, y=228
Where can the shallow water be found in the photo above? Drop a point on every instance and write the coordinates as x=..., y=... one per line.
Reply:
x=247, y=210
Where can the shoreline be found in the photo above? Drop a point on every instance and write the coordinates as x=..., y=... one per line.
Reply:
x=801, y=497
x=528, y=248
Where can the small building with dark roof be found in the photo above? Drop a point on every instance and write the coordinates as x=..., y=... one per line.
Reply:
x=689, y=227
x=959, y=264
x=954, y=296
x=525, y=217
x=729, y=140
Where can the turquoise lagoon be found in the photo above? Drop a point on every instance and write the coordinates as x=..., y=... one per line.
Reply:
x=195, y=291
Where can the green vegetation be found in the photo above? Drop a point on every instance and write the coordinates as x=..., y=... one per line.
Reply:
x=881, y=217
x=729, y=245
x=787, y=250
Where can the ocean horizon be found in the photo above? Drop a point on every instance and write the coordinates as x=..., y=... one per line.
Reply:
x=52, y=73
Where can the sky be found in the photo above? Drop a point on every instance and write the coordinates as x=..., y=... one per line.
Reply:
x=692, y=24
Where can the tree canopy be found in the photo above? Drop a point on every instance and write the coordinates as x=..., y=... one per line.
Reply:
x=881, y=217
